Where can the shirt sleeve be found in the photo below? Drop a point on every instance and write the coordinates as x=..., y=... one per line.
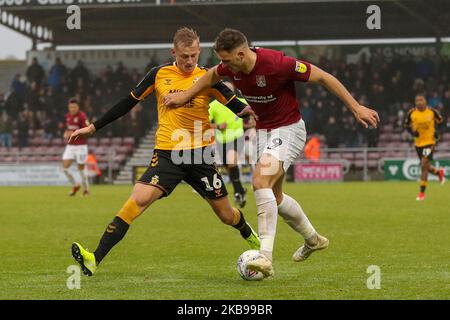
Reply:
x=221, y=70
x=293, y=69
x=222, y=93
x=437, y=116
x=146, y=86
x=227, y=97
x=408, y=120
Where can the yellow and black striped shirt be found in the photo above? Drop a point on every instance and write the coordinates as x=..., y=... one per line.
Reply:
x=188, y=126
x=424, y=123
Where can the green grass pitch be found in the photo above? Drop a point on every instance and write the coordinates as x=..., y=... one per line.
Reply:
x=178, y=249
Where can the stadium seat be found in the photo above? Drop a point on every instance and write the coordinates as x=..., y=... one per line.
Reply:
x=116, y=141
x=128, y=141
x=359, y=156
x=104, y=141
x=55, y=149
x=129, y=148
x=41, y=150
x=389, y=154
x=100, y=150
x=446, y=136
x=395, y=138
x=8, y=159
x=102, y=158
x=334, y=155
x=92, y=142
x=372, y=164
x=442, y=155
x=388, y=128
x=46, y=142
x=36, y=141
x=57, y=142
x=373, y=155
x=399, y=154
x=123, y=149
x=26, y=150
x=348, y=156
x=120, y=158
x=358, y=164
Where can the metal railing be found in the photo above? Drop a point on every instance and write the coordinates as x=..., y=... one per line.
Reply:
x=359, y=155
x=53, y=156
x=385, y=154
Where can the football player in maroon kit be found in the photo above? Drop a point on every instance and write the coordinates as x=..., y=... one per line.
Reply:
x=267, y=78
x=75, y=150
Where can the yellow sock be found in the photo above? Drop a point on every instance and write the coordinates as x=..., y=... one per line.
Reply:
x=129, y=211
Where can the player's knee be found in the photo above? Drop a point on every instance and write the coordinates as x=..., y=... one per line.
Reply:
x=260, y=182
x=144, y=195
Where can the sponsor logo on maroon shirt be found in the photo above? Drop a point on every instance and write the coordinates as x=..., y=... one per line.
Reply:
x=270, y=87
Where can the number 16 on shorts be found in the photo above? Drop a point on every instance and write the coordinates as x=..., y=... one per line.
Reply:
x=217, y=183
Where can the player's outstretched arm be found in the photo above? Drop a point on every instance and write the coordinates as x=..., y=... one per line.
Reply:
x=209, y=79
x=117, y=111
x=363, y=115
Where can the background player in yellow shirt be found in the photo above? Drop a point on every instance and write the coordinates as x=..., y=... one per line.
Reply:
x=183, y=149
x=229, y=136
x=421, y=123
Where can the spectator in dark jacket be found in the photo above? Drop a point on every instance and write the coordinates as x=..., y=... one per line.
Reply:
x=57, y=75
x=332, y=133
x=35, y=72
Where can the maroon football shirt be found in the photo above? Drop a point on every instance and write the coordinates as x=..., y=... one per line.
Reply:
x=269, y=88
x=74, y=122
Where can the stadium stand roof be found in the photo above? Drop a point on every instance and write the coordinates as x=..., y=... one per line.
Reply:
x=154, y=21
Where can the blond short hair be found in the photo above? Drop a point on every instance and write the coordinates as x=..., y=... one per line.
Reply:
x=185, y=36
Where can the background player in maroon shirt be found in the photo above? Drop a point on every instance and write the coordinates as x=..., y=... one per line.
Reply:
x=75, y=150
x=266, y=79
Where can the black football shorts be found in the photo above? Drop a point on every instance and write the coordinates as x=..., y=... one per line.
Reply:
x=425, y=152
x=196, y=167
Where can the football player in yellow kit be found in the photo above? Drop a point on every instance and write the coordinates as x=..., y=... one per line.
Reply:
x=421, y=122
x=183, y=148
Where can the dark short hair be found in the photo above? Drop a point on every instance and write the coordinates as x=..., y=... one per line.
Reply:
x=229, y=39
x=421, y=94
x=185, y=36
x=74, y=100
